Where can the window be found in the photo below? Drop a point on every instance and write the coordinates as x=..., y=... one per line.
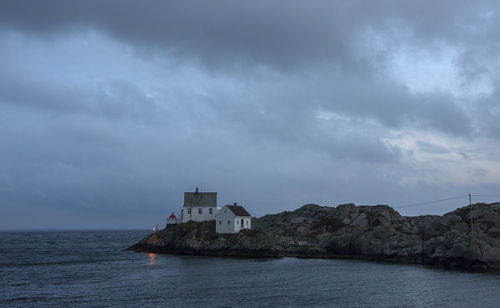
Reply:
x=247, y=222
x=237, y=222
x=220, y=222
x=189, y=210
x=228, y=222
x=199, y=210
x=209, y=211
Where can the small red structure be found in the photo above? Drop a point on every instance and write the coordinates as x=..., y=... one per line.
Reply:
x=172, y=220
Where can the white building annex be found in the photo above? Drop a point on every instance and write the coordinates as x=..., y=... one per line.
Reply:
x=232, y=219
x=199, y=206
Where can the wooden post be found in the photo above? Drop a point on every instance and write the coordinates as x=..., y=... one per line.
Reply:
x=470, y=204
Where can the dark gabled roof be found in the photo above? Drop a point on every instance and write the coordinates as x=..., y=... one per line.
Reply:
x=203, y=199
x=238, y=210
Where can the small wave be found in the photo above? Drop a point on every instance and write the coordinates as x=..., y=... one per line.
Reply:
x=54, y=263
x=26, y=299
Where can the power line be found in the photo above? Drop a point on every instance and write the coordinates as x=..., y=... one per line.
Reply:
x=430, y=202
x=446, y=199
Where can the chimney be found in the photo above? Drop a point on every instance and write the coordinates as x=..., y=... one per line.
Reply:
x=196, y=189
x=236, y=203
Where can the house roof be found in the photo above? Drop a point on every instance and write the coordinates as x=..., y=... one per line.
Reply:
x=201, y=199
x=238, y=210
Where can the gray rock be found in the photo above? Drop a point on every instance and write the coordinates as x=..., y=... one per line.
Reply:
x=361, y=220
x=457, y=250
x=494, y=232
x=367, y=232
x=461, y=227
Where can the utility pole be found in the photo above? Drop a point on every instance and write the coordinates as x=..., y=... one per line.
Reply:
x=470, y=204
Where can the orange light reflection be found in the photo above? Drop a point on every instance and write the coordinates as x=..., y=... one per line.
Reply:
x=152, y=257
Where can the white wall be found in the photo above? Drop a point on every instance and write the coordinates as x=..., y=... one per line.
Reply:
x=196, y=216
x=227, y=222
x=247, y=223
x=224, y=221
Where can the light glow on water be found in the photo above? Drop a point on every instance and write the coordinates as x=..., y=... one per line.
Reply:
x=152, y=257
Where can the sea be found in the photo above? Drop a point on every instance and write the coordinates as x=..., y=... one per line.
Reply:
x=92, y=269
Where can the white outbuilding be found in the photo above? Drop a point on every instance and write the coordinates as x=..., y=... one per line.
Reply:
x=232, y=219
x=199, y=206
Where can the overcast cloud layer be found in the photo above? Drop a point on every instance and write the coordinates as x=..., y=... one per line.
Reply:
x=110, y=110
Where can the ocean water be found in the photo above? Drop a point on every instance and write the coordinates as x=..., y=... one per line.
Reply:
x=90, y=269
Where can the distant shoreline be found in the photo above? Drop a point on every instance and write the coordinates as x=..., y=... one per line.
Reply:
x=71, y=230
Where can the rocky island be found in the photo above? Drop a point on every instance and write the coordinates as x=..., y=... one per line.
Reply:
x=461, y=239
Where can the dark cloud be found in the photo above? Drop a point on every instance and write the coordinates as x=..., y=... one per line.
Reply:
x=273, y=104
x=112, y=98
x=295, y=35
x=278, y=33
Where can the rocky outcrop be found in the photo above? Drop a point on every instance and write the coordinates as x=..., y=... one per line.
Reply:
x=200, y=238
x=349, y=231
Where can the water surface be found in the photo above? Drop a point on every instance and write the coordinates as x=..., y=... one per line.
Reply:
x=80, y=269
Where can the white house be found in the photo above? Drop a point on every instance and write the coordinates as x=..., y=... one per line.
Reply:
x=199, y=206
x=232, y=218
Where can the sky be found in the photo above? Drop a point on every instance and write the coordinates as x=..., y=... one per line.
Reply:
x=111, y=110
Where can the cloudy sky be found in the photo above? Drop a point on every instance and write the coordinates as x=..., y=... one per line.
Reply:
x=110, y=110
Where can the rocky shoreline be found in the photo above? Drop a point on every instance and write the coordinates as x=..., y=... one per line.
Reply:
x=377, y=233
